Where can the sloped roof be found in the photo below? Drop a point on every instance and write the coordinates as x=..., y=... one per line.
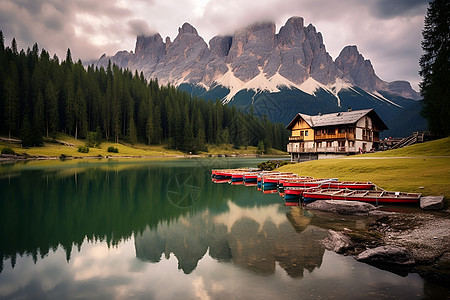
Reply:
x=338, y=118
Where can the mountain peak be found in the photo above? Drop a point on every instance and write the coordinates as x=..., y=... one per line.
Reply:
x=296, y=22
x=358, y=69
x=187, y=29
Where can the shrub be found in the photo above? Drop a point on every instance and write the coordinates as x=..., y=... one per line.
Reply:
x=83, y=149
x=93, y=139
x=112, y=149
x=8, y=150
x=272, y=164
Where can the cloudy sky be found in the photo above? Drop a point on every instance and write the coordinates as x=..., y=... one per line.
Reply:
x=386, y=32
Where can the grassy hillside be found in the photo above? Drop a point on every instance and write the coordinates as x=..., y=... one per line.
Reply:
x=423, y=168
x=439, y=147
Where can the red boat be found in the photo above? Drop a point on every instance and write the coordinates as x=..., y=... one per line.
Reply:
x=308, y=183
x=292, y=195
x=351, y=185
x=275, y=179
x=227, y=173
x=238, y=176
x=295, y=178
x=370, y=196
x=250, y=177
x=220, y=180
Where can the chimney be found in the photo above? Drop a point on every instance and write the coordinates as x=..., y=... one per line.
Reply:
x=349, y=109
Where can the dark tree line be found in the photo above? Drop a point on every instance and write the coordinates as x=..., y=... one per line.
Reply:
x=41, y=96
x=435, y=67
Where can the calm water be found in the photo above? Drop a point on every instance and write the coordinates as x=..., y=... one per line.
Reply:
x=162, y=230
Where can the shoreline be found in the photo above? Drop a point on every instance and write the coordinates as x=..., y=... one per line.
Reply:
x=424, y=234
x=6, y=158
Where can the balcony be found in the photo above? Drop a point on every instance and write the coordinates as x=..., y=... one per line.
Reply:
x=345, y=135
x=296, y=138
x=295, y=148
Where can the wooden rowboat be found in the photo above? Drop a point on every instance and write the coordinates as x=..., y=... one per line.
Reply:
x=292, y=195
x=309, y=183
x=370, y=196
x=351, y=185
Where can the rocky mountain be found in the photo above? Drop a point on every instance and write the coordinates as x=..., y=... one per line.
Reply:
x=258, y=61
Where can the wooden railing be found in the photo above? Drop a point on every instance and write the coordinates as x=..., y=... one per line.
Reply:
x=296, y=138
x=345, y=135
x=295, y=148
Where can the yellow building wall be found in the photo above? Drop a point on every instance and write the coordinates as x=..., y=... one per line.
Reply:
x=302, y=126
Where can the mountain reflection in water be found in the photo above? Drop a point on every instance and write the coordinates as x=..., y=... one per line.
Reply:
x=253, y=238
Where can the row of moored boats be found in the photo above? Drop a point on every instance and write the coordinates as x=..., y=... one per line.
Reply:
x=297, y=189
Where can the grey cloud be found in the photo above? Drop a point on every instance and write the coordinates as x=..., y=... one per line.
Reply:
x=54, y=24
x=34, y=7
x=101, y=8
x=386, y=9
x=140, y=27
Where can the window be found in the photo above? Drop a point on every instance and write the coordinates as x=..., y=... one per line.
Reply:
x=342, y=130
x=330, y=131
x=306, y=132
x=329, y=144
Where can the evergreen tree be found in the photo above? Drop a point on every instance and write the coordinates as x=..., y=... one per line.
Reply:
x=435, y=67
x=157, y=131
x=132, y=132
x=11, y=103
x=14, y=46
x=210, y=128
x=2, y=42
x=106, y=109
x=80, y=114
x=261, y=147
x=26, y=133
x=149, y=130
x=188, y=137
x=69, y=61
x=39, y=115
x=200, y=139
x=267, y=145
x=51, y=109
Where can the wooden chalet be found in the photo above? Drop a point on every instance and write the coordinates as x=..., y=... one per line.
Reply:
x=334, y=134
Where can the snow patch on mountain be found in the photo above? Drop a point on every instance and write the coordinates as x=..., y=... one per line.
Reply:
x=260, y=83
x=382, y=98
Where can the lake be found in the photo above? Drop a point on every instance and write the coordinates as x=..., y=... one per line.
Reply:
x=136, y=229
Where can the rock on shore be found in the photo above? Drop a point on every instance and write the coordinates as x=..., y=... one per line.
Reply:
x=341, y=206
x=337, y=242
x=432, y=203
x=387, y=255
